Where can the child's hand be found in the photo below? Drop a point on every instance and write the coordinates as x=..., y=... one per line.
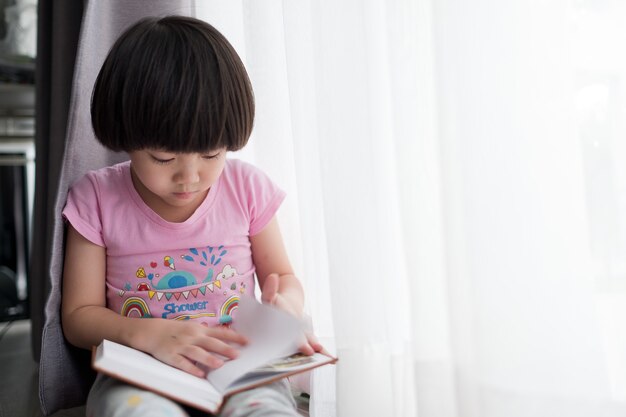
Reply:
x=270, y=295
x=187, y=345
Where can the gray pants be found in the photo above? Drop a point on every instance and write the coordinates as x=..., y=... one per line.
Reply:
x=112, y=398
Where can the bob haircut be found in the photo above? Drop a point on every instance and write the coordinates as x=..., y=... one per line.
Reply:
x=174, y=84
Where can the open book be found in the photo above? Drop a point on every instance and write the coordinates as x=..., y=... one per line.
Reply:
x=271, y=354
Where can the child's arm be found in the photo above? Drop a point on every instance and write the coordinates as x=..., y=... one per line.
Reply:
x=87, y=321
x=279, y=285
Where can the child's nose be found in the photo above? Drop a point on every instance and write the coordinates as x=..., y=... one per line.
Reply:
x=187, y=174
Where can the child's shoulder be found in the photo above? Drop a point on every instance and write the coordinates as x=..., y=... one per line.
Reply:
x=242, y=168
x=248, y=181
x=103, y=179
x=236, y=166
x=96, y=192
x=239, y=170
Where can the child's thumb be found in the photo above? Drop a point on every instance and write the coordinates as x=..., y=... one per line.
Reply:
x=270, y=289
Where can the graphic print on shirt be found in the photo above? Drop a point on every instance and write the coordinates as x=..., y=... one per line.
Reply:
x=216, y=258
x=135, y=307
x=177, y=294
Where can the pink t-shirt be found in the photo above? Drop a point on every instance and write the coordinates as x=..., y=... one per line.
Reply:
x=197, y=269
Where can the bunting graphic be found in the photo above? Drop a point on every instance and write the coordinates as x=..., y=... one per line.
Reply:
x=193, y=293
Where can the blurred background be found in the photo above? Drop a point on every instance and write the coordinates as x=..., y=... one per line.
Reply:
x=18, y=49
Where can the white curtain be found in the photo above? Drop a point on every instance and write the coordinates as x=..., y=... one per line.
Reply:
x=457, y=196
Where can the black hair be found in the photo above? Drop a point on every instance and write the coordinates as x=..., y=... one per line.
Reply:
x=173, y=83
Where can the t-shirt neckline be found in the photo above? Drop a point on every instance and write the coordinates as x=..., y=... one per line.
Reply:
x=154, y=216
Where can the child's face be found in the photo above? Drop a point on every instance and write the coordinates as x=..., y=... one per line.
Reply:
x=176, y=180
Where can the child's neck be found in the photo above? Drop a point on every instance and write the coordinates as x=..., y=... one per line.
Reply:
x=166, y=211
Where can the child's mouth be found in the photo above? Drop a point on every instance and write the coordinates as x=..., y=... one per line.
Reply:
x=185, y=195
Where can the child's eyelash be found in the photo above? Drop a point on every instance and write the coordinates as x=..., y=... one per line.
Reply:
x=162, y=161
x=166, y=161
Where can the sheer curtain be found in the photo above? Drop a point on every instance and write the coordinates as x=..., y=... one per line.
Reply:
x=457, y=196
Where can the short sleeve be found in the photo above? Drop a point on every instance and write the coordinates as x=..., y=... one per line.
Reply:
x=264, y=198
x=82, y=209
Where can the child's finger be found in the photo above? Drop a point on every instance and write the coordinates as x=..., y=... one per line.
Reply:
x=307, y=326
x=226, y=334
x=187, y=365
x=306, y=349
x=270, y=289
x=304, y=346
x=314, y=342
x=214, y=345
x=199, y=356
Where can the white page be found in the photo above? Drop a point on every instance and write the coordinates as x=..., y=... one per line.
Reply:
x=146, y=371
x=269, y=372
x=271, y=333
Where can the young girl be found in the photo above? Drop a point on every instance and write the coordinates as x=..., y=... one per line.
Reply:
x=161, y=248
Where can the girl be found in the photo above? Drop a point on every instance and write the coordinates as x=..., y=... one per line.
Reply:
x=161, y=248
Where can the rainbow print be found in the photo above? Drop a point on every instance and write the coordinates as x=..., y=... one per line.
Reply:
x=229, y=306
x=135, y=306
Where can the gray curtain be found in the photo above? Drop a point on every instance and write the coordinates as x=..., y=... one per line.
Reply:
x=68, y=148
x=58, y=27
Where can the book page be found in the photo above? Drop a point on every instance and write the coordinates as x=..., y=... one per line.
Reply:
x=144, y=370
x=271, y=333
x=280, y=368
x=296, y=362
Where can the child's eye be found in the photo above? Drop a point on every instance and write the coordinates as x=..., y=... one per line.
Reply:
x=161, y=161
x=211, y=156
